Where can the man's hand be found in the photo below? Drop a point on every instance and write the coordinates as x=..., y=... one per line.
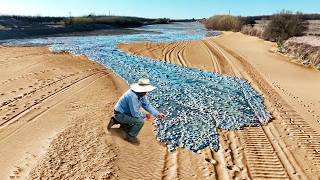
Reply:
x=161, y=115
x=148, y=116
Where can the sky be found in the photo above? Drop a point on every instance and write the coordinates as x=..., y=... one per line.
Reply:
x=174, y=9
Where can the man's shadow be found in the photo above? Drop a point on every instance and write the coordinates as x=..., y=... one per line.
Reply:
x=116, y=130
x=120, y=131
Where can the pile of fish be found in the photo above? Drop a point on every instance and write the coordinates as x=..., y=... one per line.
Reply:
x=196, y=103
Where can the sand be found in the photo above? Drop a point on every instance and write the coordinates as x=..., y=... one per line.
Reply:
x=55, y=107
x=54, y=119
x=289, y=146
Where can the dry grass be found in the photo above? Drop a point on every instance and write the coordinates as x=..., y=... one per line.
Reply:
x=252, y=30
x=224, y=23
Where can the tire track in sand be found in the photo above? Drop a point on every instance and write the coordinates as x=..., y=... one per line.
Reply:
x=170, y=166
x=256, y=149
x=289, y=162
x=21, y=104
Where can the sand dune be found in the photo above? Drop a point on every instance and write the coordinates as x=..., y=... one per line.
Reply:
x=288, y=147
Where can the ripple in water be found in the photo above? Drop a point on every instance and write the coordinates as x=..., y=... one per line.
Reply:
x=196, y=102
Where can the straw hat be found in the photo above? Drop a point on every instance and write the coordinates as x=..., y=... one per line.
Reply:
x=143, y=85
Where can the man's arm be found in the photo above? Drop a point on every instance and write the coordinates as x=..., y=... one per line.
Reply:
x=134, y=108
x=148, y=107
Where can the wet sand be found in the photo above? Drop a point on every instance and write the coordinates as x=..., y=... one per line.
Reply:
x=289, y=146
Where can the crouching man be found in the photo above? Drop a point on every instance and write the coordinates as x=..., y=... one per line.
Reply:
x=127, y=114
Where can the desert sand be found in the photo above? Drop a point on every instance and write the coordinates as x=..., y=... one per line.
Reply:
x=55, y=107
x=53, y=112
x=286, y=148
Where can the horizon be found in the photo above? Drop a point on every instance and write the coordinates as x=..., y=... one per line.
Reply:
x=178, y=9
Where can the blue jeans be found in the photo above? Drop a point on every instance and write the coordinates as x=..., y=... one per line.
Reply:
x=135, y=123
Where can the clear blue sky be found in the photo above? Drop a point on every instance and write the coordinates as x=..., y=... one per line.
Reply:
x=155, y=8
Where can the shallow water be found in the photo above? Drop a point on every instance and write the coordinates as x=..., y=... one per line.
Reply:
x=196, y=102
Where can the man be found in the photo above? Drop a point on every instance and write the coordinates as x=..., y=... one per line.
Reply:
x=127, y=112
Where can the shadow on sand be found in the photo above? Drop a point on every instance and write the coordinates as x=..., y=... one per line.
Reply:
x=119, y=132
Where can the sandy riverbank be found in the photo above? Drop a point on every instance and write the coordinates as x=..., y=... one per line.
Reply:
x=289, y=146
x=53, y=112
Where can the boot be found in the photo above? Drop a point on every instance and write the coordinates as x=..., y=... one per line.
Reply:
x=112, y=122
x=133, y=140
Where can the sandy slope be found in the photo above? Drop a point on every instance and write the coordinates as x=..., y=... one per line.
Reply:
x=289, y=146
x=45, y=97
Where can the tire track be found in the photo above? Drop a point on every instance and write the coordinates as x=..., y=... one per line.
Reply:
x=10, y=115
x=260, y=155
x=180, y=55
x=302, y=133
x=170, y=166
x=44, y=84
x=214, y=57
x=169, y=55
x=258, y=148
x=33, y=114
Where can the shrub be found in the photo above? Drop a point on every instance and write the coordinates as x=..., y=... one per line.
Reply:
x=284, y=25
x=224, y=23
x=252, y=30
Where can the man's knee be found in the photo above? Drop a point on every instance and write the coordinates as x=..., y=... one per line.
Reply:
x=139, y=121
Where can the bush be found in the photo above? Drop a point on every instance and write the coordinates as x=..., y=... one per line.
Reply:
x=284, y=25
x=252, y=30
x=224, y=23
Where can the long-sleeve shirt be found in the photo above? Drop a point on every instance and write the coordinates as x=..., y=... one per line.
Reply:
x=130, y=103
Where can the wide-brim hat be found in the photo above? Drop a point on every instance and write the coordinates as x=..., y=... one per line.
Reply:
x=143, y=85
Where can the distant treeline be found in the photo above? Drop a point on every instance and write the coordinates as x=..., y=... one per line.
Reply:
x=33, y=19
x=253, y=19
x=183, y=20
x=119, y=21
x=33, y=26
